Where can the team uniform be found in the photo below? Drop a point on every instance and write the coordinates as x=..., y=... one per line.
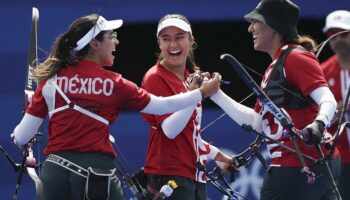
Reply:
x=338, y=81
x=174, y=158
x=79, y=132
x=301, y=69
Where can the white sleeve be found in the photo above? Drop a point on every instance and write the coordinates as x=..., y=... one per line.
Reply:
x=171, y=104
x=27, y=128
x=213, y=152
x=239, y=113
x=175, y=123
x=327, y=104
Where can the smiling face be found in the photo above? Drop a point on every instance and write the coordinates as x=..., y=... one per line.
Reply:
x=265, y=38
x=175, y=45
x=104, y=49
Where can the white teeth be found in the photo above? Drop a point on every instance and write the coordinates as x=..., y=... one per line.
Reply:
x=174, y=52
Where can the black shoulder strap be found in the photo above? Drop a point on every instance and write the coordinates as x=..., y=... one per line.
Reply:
x=280, y=90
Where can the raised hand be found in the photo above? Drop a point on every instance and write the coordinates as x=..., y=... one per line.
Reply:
x=211, y=86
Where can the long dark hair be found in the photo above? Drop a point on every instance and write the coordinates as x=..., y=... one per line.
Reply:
x=190, y=62
x=62, y=53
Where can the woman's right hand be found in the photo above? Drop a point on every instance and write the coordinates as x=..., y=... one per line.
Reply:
x=211, y=86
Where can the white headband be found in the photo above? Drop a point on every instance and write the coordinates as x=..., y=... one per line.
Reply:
x=179, y=23
x=101, y=25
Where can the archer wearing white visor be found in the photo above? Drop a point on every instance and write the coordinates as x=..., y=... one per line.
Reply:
x=175, y=145
x=82, y=99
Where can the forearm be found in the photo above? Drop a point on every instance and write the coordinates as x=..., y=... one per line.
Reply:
x=238, y=112
x=327, y=104
x=175, y=123
x=221, y=157
x=27, y=128
x=216, y=155
x=213, y=152
x=171, y=104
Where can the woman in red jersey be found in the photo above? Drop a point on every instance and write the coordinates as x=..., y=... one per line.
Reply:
x=293, y=81
x=175, y=145
x=82, y=99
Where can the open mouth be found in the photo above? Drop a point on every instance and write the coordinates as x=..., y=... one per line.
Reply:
x=255, y=37
x=114, y=52
x=175, y=53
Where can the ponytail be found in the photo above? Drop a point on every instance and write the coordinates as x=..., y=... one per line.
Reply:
x=305, y=41
x=62, y=53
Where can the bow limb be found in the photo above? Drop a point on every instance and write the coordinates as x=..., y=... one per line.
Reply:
x=28, y=92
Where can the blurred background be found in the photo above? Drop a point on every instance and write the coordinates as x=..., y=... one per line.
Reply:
x=218, y=27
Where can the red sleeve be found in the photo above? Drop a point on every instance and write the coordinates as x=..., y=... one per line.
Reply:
x=303, y=70
x=37, y=106
x=328, y=67
x=158, y=86
x=134, y=98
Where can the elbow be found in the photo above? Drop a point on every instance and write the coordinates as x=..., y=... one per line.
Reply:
x=170, y=137
x=169, y=134
x=334, y=102
x=256, y=121
x=20, y=139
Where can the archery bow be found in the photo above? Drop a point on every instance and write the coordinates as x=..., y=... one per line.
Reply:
x=28, y=92
x=28, y=160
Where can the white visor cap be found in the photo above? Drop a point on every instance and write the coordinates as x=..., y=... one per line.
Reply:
x=101, y=25
x=176, y=22
x=337, y=19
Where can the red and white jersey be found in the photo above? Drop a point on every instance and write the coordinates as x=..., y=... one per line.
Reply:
x=176, y=156
x=95, y=89
x=338, y=81
x=302, y=70
x=206, y=152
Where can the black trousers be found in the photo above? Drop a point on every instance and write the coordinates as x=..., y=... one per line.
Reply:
x=288, y=183
x=187, y=189
x=60, y=183
x=344, y=181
